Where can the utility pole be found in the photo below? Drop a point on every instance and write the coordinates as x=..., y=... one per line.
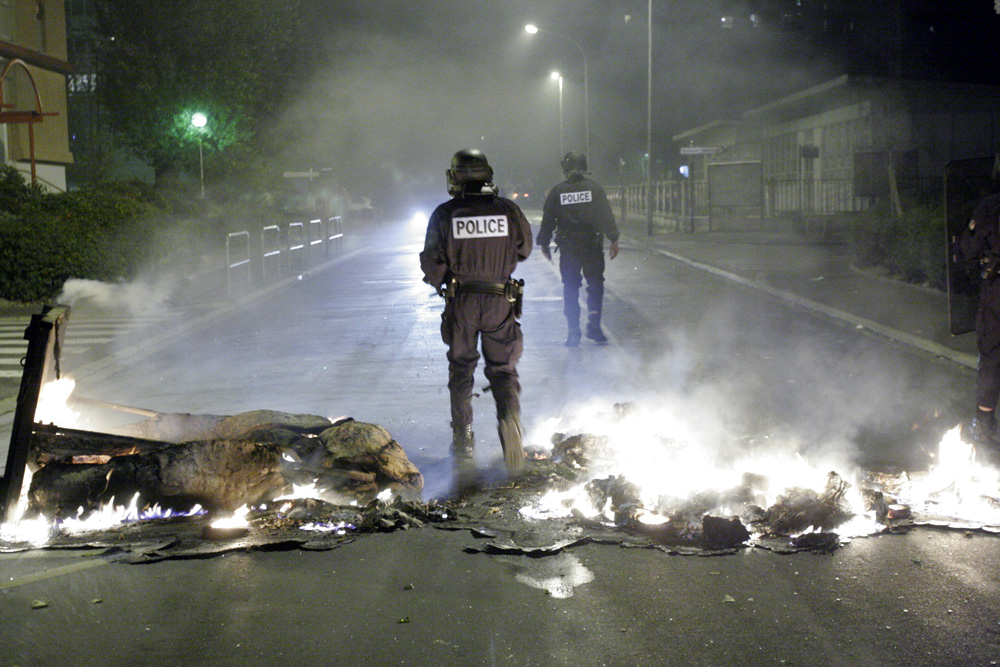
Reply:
x=649, y=119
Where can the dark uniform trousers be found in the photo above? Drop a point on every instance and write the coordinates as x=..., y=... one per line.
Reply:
x=581, y=257
x=467, y=317
x=988, y=342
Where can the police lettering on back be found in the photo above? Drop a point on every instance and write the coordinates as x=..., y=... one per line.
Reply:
x=479, y=227
x=574, y=197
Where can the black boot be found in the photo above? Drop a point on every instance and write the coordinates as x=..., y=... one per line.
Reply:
x=594, y=332
x=982, y=429
x=463, y=445
x=510, y=439
x=573, y=327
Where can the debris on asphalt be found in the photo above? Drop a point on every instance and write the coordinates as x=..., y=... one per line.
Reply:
x=218, y=462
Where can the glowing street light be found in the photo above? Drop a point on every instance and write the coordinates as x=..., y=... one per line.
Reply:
x=199, y=121
x=532, y=29
x=555, y=76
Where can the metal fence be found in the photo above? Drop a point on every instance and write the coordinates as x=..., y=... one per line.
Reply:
x=685, y=205
x=283, y=250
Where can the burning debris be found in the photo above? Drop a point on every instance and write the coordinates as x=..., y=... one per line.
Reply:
x=220, y=463
x=260, y=479
x=619, y=476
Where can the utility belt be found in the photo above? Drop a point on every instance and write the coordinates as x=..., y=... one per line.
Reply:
x=512, y=290
x=988, y=267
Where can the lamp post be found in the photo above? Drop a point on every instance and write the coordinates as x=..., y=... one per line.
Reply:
x=649, y=119
x=532, y=29
x=558, y=77
x=199, y=121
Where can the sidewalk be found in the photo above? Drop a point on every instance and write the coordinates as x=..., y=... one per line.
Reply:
x=819, y=276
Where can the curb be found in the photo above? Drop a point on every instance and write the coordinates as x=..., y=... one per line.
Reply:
x=962, y=358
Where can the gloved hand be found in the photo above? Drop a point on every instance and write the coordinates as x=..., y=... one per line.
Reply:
x=547, y=252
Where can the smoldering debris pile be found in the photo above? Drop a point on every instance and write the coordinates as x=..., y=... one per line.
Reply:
x=720, y=520
x=218, y=462
x=796, y=519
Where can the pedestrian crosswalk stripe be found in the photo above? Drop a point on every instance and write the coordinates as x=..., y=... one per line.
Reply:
x=78, y=340
x=79, y=336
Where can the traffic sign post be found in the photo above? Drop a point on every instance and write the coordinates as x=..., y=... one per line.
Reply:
x=701, y=150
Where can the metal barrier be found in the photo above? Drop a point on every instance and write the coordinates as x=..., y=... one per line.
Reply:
x=41, y=364
x=316, y=238
x=334, y=233
x=270, y=246
x=302, y=243
x=231, y=265
x=296, y=246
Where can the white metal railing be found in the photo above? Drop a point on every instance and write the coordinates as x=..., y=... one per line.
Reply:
x=270, y=251
x=334, y=233
x=284, y=250
x=316, y=239
x=296, y=246
x=244, y=239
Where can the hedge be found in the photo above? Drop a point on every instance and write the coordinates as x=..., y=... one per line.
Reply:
x=911, y=247
x=45, y=239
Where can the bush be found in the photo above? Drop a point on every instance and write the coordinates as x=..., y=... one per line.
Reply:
x=46, y=239
x=911, y=248
x=108, y=232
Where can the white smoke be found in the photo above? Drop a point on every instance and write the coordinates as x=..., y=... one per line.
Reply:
x=140, y=298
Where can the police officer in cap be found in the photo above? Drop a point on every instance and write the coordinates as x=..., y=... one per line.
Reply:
x=473, y=244
x=577, y=210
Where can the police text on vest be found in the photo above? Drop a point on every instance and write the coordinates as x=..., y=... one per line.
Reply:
x=575, y=197
x=479, y=227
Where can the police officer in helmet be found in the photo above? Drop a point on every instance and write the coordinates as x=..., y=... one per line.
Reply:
x=473, y=244
x=577, y=210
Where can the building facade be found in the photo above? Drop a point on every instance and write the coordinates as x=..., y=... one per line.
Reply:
x=844, y=144
x=34, y=131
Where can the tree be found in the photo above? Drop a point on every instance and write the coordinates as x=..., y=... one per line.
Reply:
x=164, y=60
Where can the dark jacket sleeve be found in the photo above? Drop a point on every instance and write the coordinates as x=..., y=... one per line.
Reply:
x=433, y=258
x=605, y=215
x=979, y=240
x=549, y=218
x=524, y=243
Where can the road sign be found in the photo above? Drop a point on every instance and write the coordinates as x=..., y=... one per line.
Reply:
x=701, y=150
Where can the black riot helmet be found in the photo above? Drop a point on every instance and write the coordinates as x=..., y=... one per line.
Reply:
x=574, y=163
x=469, y=167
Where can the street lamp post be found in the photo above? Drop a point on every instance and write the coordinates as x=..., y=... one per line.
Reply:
x=533, y=29
x=649, y=119
x=558, y=77
x=199, y=121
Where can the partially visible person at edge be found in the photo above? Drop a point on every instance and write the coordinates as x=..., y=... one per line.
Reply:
x=577, y=210
x=979, y=249
x=473, y=244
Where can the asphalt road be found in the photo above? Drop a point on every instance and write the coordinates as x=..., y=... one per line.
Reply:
x=360, y=338
x=416, y=598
